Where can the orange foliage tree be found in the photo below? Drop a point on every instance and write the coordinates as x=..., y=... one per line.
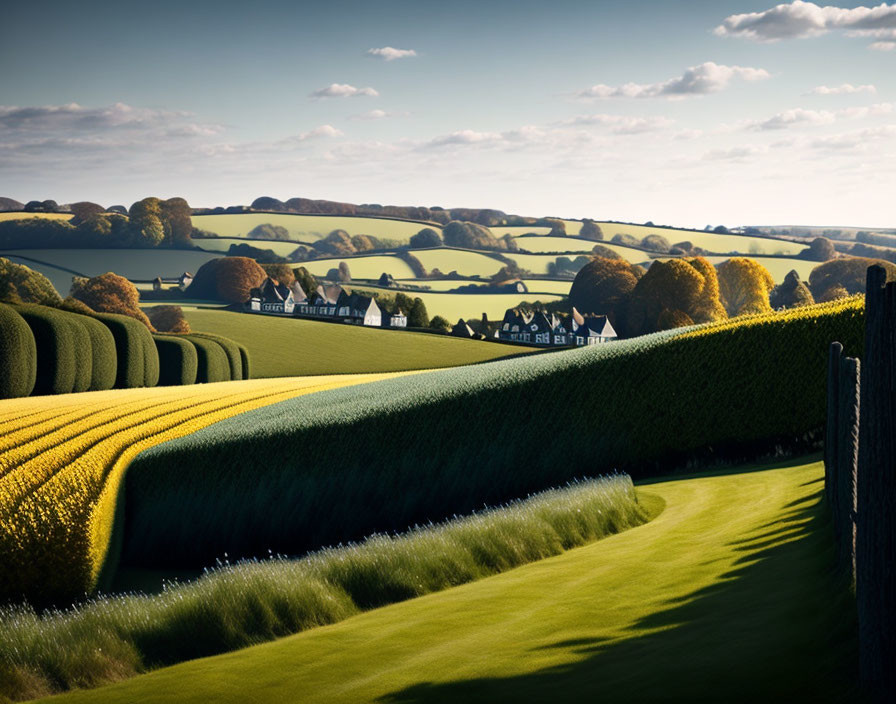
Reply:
x=110, y=293
x=227, y=279
x=745, y=286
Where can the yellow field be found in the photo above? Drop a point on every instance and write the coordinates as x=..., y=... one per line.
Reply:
x=361, y=267
x=63, y=458
x=463, y=262
x=516, y=231
x=711, y=242
x=309, y=227
x=27, y=216
x=222, y=244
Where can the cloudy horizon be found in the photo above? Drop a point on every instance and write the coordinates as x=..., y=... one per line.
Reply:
x=688, y=114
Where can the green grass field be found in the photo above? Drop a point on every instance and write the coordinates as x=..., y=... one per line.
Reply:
x=309, y=227
x=711, y=242
x=465, y=262
x=222, y=244
x=516, y=231
x=295, y=347
x=18, y=215
x=369, y=267
x=468, y=305
x=727, y=595
x=130, y=263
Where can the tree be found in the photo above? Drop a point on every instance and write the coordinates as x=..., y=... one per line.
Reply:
x=708, y=307
x=558, y=227
x=745, y=286
x=268, y=203
x=626, y=240
x=363, y=243
x=427, y=237
x=439, y=323
x=720, y=230
x=791, y=293
x=20, y=284
x=849, y=273
x=176, y=221
x=110, y=293
x=468, y=235
x=227, y=279
x=280, y=272
x=820, y=250
x=146, y=227
x=306, y=280
x=168, y=319
x=338, y=242
x=833, y=293
x=669, y=290
x=343, y=273
x=417, y=315
x=591, y=230
x=656, y=243
x=603, y=287
x=84, y=210
x=267, y=231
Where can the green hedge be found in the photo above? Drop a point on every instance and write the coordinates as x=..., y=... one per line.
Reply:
x=213, y=364
x=244, y=361
x=104, y=356
x=338, y=465
x=178, y=360
x=231, y=349
x=138, y=361
x=18, y=355
x=83, y=351
x=56, y=339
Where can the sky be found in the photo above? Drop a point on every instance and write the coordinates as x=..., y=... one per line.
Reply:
x=684, y=113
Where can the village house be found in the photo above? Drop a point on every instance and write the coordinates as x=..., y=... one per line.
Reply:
x=184, y=280
x=462, y=330
x=359, y=309
x=272, y=297
x=539, y=329
x=398, y=319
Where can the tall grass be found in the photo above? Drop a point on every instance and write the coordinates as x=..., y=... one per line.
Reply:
x=233, y=606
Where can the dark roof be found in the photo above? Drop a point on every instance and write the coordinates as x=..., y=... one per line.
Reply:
x=462, y=329
x=599, y=325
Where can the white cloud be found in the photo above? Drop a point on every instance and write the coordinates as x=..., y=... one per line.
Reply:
x=855, y=140
x=377, y=115
x=318, y=132
x=806, y=19
x=733, y=153
x=843, y=89
x=882, y=46
x=466, y=137
x=76, y=117
x=390, y=53
x=620, y=124
x=343, y=90
x=708, y=77
x=801, y=117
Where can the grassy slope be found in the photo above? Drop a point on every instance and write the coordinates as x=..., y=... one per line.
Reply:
x=309, y=227
x=131, y=263
x=710, y=241
x=726, y=595
x=295, y=347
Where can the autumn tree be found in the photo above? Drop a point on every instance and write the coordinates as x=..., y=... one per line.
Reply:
x=469, y=235
x=21, y=284
x=280, y=272
x=821, y=249
x=267, y=231
x=338, y=242
x=745, y=286
x=603, y=286
x=848, y=273
x=84, y=210
x=176, y=221
x=791, y=293
x=343, y=273
x=672, y=289
x=427, y=237
x=363, y=243
x=168, y=319
x=227, y=279
x=110, y=293
x=708, y=307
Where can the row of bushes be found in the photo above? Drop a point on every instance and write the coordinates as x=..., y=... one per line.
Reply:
x=45, y=350
x=427, y=446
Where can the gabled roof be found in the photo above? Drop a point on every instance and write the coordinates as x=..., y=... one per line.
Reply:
x=462, y=329
x=272, y=291
x=599, y=325
x=330, y=293
x=541, y=320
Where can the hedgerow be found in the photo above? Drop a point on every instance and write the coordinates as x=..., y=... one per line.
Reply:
x=231, y=349
x=213, y=363
x=56, y=340
x=104, y=359
x=178, y=360
x=245, y=363
x=116, y=637
x=336, y=466
x=18, y=355
x=135, y=350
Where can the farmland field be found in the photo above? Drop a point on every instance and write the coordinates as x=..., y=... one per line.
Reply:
x=733, y=578
x=467, y=305
x=18, y=215
x=309, y=227
x=62, y=459
x=369, y=267
x=131, y=263
x=465, y=262
x=295, y=347
x=61, y=279
x=222, y=244
x=710, y=241
x=517, y=231
x=558, y=286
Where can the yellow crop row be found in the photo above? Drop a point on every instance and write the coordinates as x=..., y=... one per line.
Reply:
x=853, y=303
x=63, y=458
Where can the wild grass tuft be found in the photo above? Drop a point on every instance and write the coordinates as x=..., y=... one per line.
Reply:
x=233, y=606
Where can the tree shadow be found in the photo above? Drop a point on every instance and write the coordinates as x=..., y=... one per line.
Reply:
x=780, y=626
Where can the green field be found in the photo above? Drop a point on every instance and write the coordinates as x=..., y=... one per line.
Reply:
x=557, y=286
x=728, y=595
x=295, y=347
x=516, y=231
x=464, y=262
x=544, y=243
x=222, y=244
x=131, y=263
x=369, y=267
x=18, y=215
x=467, y=305
x=711, y=242
x=309, y=227
x=61, y=279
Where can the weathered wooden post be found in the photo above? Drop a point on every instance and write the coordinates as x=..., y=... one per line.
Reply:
x=835, y=352
x=847, y=463
x=876, y=499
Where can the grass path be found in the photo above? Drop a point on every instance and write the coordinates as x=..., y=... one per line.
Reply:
x=726, y=595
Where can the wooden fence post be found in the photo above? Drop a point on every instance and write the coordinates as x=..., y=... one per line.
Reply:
x=876, y=500
x=847, y=462
x=835, y=352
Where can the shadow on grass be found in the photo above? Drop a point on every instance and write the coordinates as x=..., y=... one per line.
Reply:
x=778, y=627
x=726, y=470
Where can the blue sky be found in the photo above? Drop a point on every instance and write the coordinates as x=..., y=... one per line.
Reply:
x=685, y=113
